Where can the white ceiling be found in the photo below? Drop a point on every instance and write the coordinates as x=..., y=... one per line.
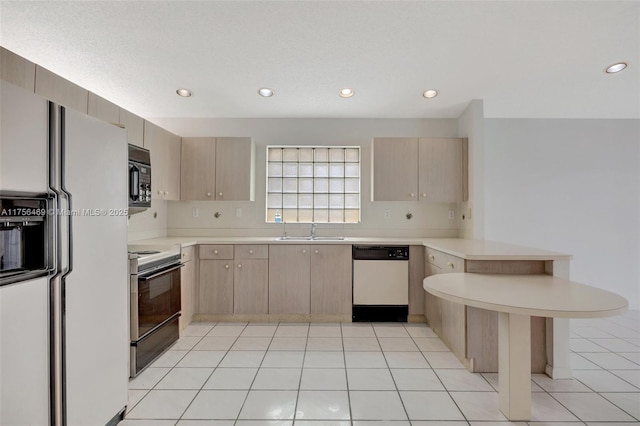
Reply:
x=525, y=59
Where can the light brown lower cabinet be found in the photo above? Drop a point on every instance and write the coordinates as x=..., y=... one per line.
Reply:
x=472, y=333
x=432, y=304
x=216, y=286
x=187, y=287
x=416, y=278
x=289, y=279
x=251, y=280
x=331, y=289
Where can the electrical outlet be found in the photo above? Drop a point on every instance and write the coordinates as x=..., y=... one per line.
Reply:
x=387, y=214
x=195, y=212
x=452, y=214
x=239, y=212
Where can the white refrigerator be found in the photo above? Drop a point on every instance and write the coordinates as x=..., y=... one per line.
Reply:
x=64, y=341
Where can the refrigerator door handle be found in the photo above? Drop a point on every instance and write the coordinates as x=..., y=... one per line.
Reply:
x=63, y=188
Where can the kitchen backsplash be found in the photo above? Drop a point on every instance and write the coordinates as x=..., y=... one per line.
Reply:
x=152, y=223
x=197, y=218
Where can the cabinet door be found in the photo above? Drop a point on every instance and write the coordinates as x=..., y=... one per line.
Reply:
x=234, y=169
x=153, y=142
x=289, y=280
x=187, y=285
x=134, y=126
x=416, y=279
x=251, y=286
x=331, y=279
x=17, y=70
x=198, y=169
x=454, y=315
x=440, y=170
x=216, y=287
x=172, y=166
x=432, y=304
x=57, y=89
x=395, y=169
x=102, y=109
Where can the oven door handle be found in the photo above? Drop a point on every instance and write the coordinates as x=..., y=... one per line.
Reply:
x=157, y=274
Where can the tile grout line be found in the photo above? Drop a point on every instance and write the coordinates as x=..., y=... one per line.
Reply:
x=165, y=375
x=213, y=371
x=304, y=356
x=346, y=377
x=440, y=380
x=246, y=397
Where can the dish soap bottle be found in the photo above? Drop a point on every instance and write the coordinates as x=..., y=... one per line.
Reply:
x=278, y=217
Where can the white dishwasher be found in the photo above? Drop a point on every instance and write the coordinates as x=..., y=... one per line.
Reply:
x=380, y=283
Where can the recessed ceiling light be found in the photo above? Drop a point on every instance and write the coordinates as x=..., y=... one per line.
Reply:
x=612, y=69
x=264, y=92
x=431, y=93
x=185, y=93
x=346, y=93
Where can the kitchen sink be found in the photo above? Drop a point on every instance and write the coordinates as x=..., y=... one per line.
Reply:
x=310, y=238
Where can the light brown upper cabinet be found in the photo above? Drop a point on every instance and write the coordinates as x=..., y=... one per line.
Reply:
x=165, y=162
x=440, y=170
x=17, y=70
x=219, y=169
x=395, y=169
x=197, y=174
x=102, y=109
x=427, y=169
x=135, y=127
x=57, y=89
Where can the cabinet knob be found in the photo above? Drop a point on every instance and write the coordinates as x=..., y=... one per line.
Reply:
x=432, y=257
x=250, y=251
x=451, y=265
x=184, y=254
x=226, y=266
x=239, y=265
x=166, y=192
x=412, y=195
x=304, y=251
x=316, y=251
x=424, y=194
x=219, y=194
x=159, y=192
x=215, y=252
x=208, y=194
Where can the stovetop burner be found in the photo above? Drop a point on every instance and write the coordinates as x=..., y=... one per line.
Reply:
x=145, y=252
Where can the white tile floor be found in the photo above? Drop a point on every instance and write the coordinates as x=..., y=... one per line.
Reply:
x=373, y=375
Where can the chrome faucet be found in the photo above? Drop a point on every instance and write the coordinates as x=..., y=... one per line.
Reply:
x=313, y=230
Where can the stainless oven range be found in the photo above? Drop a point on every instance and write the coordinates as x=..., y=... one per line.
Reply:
x=154, y=302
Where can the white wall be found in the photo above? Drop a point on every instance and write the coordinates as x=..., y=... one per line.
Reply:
x=428, y=219
x=571, y=186
x=471, y=212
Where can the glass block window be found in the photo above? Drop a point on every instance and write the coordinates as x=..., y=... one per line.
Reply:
x=313, y=184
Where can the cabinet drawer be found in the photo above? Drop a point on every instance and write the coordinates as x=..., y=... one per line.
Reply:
x=251, y=251
x=188, y=253
x=212, y=251
x=444, y=261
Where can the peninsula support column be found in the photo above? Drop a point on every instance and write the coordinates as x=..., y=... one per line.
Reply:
x=557, y=331
x=514, y=365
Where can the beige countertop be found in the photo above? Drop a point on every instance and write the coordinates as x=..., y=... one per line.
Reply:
x=539, y=295
x=189, y=241
x=465, y=249
x=490, y=250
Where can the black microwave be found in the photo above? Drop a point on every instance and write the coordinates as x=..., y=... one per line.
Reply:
x=139, y=179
